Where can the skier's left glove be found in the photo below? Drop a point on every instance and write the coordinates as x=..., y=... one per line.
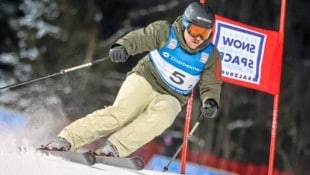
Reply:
x=209, y=108
x=118, y=54
x=58, y=144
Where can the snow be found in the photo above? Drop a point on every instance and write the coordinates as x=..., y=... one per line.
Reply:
x=34, y=163
x=18, y=140
x=15, y=159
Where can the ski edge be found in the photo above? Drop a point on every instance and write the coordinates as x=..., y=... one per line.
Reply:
x=85, y=158
x=134, y=163
x=88, y=158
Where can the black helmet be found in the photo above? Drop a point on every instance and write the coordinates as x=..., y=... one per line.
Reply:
x=196, y=13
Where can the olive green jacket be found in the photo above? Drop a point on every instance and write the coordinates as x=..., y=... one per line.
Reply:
x=155, y=36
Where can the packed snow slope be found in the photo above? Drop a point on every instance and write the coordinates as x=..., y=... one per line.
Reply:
x=15, y=159
x=34, y=163
x=16, y=133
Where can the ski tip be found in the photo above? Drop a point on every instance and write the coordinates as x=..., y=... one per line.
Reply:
x=91, y=158
x=139, y=162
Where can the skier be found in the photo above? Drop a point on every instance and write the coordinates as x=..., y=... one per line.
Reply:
x=180, y=55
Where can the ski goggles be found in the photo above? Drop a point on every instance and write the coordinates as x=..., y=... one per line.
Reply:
x=195, y=31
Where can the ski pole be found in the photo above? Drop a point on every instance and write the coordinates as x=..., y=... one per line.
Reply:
x=181, y=146
x=63, y=71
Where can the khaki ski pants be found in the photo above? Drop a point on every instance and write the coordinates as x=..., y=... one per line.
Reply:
x=138, y=115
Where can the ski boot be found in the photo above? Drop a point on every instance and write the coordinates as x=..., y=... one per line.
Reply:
x=58, y=144
x=107, y=149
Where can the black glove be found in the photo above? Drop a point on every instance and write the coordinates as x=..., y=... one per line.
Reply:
x=118, y=54
x=209, y=108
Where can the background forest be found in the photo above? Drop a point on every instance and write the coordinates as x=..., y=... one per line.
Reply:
x=38, y=38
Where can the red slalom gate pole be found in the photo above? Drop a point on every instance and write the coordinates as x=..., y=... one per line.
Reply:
x=276, y=97
x=186, y=131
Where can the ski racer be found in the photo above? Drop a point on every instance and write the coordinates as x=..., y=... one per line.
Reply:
x=180, y=56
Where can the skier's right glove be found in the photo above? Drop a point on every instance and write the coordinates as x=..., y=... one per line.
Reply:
x=118, y=54
x=209, y=108
x=58, y=144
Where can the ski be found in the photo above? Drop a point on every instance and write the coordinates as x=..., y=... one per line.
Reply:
x=85, y=158
x=135, y=162
x=88, y=158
